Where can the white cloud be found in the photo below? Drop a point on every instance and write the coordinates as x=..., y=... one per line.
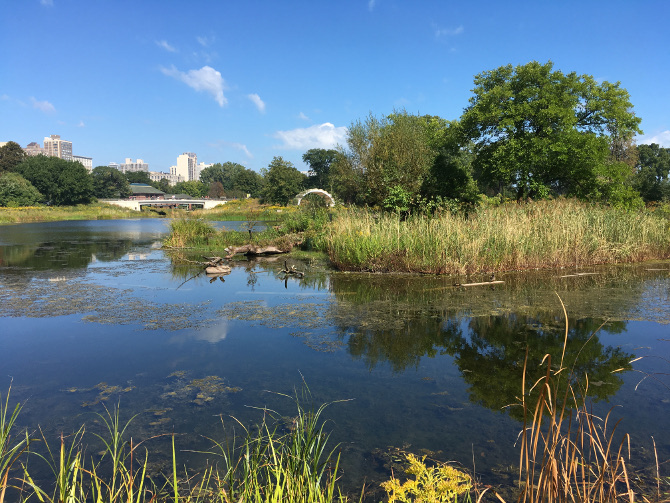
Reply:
x=662, y=139
x=303, y=117
x=256, y=100
x=205, y=41
x=371, y=5
x=238, y=146
x=449, y=32
x=81, y=124
x=325, y=135
x=206, y=79
x=164, y=44
x=43, y=106
x=47, y=3
x=4, y=97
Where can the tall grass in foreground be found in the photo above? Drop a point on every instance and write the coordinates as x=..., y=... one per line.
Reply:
x=268, y=465
x=543, y=234
x=568, y=457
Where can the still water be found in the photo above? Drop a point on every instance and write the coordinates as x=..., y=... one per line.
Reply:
x=95, y=314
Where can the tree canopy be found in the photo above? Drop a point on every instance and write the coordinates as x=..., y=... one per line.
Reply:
x=540, y=131
x=109, y=183
x=61, y=182
x=651, y=177
x=235, y=179
x=282, y=182
x=319, y=161
x=138, y=177
x=11, y=155
x=17, y=191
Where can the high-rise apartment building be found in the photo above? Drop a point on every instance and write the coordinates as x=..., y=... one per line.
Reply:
x=187, y=166
x=55, y=147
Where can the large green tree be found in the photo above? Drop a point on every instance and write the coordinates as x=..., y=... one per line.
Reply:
x=236, y=180
x=393, y=152
x=282, y=182
x=11, y=155
x=651, y=177
x=192, y=188
x=540, y=131
x=109, y=183
x=61, y=182
x=319, y=161
x=17, y=191
x=138, y=177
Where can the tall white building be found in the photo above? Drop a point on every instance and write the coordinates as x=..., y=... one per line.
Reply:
x=55, y=147
x=186, y=166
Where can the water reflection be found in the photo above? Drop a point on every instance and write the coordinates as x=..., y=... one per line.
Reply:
x=63, y=255
x=492, y=357
x=400, y=324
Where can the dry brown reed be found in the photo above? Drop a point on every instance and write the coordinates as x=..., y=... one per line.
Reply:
x=543, y=234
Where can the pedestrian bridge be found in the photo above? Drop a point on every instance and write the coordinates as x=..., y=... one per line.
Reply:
x=187, y=204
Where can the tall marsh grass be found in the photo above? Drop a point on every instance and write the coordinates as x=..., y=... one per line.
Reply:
x=544, y=234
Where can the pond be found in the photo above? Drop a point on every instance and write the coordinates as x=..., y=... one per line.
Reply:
x=95, y=314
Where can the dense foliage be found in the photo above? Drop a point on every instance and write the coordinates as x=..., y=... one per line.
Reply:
x=17, y=191
x=541, y=132
x=61, y=182
x=232, y=180
x=11, y=155
x=109, y=183
x=282, y=182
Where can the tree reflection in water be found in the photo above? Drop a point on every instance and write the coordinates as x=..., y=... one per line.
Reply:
x=491, y=358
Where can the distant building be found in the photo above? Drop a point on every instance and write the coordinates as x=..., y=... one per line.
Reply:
x=86, y=161
x=33, y=148
x=142, y=191
x=157, y=176
x=55, y=147
x=200, y=167
x=186, y=166
x=132, y=167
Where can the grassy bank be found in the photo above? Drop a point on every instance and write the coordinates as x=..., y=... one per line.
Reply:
x=544, y=234
x=96, y=211
x=245, y=210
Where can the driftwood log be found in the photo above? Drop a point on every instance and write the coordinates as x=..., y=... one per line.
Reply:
x=216, y=266
x=252, y=250
x=480, y=284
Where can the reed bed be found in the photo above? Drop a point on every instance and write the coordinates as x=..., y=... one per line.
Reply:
x=544, y=234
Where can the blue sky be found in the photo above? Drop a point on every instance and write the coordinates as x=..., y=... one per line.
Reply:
x=245, y=81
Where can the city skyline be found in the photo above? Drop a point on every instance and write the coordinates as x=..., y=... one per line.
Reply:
x=244, y=82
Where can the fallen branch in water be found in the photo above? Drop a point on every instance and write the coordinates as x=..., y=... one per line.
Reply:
x=251, y=249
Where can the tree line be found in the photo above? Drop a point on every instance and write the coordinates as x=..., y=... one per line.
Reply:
x=528, y=132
